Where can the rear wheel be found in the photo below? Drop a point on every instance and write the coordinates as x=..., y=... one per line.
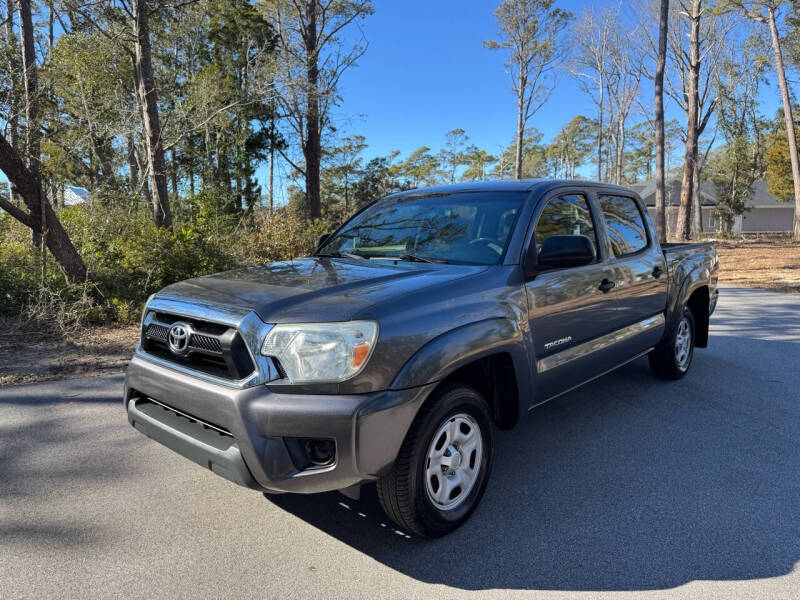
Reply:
x=443, y=465
x=672, y=359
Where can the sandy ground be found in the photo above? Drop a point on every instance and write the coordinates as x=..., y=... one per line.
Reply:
x=27, y=356
x=767, y=265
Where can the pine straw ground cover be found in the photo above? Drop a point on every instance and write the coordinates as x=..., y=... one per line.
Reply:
x=771, y=264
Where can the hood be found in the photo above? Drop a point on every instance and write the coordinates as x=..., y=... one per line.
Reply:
x=315, y=289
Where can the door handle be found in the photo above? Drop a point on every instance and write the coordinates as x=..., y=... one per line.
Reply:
x=658, y=272
x=606, y=286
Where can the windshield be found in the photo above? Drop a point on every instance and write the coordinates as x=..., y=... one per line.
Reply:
x=466, y=228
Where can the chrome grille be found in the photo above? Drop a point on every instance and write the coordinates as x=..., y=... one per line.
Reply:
x=205, y=342
x=213, y=349
x=158, y=332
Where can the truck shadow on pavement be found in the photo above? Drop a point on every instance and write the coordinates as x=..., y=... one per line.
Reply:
x=106, y=389
x=629, y=483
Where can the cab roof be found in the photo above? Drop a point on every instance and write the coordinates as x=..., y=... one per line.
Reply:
x=510, y=185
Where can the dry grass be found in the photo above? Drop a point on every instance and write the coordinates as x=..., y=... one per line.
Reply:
x=768, y=264
x=29, y=354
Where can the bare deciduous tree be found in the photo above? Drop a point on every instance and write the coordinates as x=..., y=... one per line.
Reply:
x=529, y=31
x=590, y=65
x=692, y=88
x=622, y=84
x=313, y=59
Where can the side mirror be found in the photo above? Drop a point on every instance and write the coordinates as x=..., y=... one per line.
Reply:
x=563, y=251
x=322, y=239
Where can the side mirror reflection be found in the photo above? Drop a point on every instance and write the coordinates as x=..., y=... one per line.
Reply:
x=564, y=251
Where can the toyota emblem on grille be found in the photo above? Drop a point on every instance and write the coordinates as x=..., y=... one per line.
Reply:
x=178, y=338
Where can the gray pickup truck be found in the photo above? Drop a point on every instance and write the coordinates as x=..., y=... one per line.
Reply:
x=426, y=322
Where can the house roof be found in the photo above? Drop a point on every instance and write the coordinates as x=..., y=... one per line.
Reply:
x=708, y=193
x=75, y=195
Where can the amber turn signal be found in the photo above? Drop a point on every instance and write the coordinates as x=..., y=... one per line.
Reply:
x=360, y=353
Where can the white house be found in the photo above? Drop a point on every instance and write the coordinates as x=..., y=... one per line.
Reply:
x=75, y=195
x=765, y=214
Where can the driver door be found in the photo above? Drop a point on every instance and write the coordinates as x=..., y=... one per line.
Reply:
x=569, y=308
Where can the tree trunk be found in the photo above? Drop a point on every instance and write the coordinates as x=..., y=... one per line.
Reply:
x=618, y=167
x=787, y=114
x=13, y=69
x=600, y=131
x=271, y=190
x=174, y=175
x=727, y=222
x=50, y=31
x=152, y=128
x=30, y=77
x=661, y=190
x=697, y=215
x=687, y=183
x=29, y=187
x=133, y=165
x=520, y=128
x=271, y=179
x=312, y=146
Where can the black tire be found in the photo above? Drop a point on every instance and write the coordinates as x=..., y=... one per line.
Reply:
x=402, y=492
x=663, y=359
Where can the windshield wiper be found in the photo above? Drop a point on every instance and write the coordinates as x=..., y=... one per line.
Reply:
x=337, y=255
x=423, y=259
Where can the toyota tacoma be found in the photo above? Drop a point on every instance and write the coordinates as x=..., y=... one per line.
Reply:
x=427, y=322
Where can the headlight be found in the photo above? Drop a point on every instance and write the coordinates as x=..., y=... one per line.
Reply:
x=321, y=352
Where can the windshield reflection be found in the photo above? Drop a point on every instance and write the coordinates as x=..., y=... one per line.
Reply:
x=465, y=228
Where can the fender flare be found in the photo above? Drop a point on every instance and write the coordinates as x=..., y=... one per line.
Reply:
x=695, y=279
x=463, y=345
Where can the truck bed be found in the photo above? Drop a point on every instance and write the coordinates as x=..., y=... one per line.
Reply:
x=679, y=251
x=685, y=245
x=690, y=255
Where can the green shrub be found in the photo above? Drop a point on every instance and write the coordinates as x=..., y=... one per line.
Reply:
x=129, y=258
x=279, y=236
x=20, y=268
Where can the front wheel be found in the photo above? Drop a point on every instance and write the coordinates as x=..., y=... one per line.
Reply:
x=443, y=465
x=672, y=358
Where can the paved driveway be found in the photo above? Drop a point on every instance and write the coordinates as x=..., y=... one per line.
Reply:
x=628, y=487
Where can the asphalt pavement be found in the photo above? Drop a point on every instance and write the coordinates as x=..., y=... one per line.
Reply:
x=628, y=487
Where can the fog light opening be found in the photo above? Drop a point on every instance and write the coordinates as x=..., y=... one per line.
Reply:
x=320, y=452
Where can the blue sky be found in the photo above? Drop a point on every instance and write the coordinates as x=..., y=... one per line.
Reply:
x=426, y=72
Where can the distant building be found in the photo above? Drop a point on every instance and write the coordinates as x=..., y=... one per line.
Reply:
x=765, y=215
x=72, y=195
x=75, y=195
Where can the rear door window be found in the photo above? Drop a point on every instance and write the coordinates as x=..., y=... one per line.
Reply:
x=624, y=224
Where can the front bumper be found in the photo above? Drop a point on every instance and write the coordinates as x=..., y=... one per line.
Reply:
x=242, y=434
